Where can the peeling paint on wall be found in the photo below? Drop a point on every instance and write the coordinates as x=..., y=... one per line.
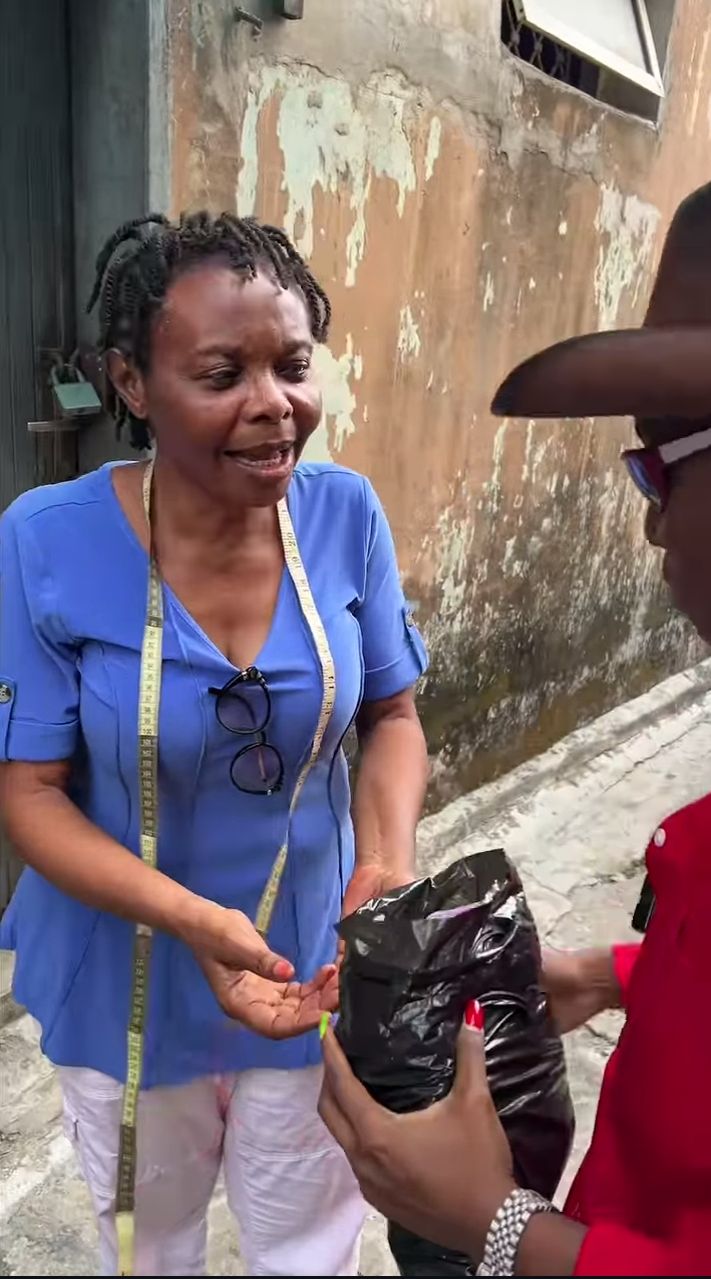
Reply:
x=434, y=143
x=449, y=547
x=693, y=115
x=409, y=343
x=628, y=228
x=331, y=138
x=339, y=402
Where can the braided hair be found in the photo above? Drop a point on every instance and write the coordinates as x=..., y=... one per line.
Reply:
x=143, y=257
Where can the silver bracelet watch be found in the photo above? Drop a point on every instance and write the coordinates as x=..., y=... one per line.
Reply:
x=506, y=1229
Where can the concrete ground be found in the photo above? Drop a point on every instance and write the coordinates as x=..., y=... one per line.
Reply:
x=576, y=821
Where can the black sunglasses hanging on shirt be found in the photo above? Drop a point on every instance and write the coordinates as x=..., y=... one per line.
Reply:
x=244, y=707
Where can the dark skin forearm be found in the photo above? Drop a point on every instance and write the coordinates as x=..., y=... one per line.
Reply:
x=391, y=786
x=249, y=981
x=52, y=836
x=550, y=1245
x=443, y=1172
x=580, y=984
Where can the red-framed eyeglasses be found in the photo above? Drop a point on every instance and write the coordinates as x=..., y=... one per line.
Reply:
x=649, y=467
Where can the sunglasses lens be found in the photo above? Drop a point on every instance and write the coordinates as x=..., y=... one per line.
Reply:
x=243, y=709
x=637, y=468
x=257, y=769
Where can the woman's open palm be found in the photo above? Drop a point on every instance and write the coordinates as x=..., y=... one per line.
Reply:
x=277, y=1010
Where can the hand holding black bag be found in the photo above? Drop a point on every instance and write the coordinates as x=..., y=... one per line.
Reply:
x=412, y=962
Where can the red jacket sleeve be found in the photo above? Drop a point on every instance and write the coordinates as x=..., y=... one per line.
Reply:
x=614, y=1250
x=624, y=959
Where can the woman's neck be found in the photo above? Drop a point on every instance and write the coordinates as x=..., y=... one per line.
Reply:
x=183, y=510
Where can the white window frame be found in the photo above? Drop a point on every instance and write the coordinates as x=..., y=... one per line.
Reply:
x=535, y=14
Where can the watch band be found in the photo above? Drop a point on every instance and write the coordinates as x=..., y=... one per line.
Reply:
x=505, y=1231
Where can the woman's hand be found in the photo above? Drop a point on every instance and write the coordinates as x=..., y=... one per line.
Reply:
x=250, y=982
x=229, y=938
x=374, y=880
x=277, y=1010
x=368, y=881
x=443, y=1172
x=579, y=984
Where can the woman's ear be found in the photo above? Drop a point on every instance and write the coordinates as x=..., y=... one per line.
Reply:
x=127, y=382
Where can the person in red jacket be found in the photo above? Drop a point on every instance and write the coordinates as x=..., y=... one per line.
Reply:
x=641, y=1202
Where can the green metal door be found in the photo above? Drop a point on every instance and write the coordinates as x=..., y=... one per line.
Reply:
x=36, y=255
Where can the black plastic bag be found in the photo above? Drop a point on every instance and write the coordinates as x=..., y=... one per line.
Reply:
x=412, y=961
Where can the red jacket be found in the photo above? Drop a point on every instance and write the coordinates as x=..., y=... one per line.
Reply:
x=644, y=1188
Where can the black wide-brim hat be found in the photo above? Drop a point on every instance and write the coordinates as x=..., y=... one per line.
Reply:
x=660, y=370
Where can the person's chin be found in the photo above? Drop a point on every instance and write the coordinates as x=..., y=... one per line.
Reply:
x=700, y=618
x=702, y=628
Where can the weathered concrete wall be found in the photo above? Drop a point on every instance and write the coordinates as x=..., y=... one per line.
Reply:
x=462, y=211
x=120, y=147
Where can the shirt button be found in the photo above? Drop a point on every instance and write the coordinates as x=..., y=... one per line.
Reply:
x=660, y=837
x=5, y=693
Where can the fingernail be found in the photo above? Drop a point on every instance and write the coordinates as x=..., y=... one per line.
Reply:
x=323, y=1027
x=474, y=1015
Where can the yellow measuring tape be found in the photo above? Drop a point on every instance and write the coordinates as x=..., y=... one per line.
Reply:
x=148, y=718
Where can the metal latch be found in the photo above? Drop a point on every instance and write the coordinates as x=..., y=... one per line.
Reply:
x=243, y=15
x=289, y=8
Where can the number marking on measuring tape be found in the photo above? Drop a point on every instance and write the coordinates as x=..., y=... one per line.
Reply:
x=148, y=720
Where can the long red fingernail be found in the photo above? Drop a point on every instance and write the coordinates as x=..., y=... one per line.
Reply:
x=474, y=1015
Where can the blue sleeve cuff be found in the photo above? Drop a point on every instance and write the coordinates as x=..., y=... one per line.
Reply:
x=28, y=742
x=408, y=667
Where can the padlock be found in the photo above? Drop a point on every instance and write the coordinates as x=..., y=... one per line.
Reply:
x=289, y=8
x=74, y=397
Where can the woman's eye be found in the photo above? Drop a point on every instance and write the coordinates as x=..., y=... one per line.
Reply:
x=296, y=371
x=221, y=379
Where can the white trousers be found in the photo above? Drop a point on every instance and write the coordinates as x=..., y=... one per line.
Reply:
x=289, y=1186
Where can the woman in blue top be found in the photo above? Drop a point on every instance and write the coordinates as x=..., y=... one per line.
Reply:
x=271, y=647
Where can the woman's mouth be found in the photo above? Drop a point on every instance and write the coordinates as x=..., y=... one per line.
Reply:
x=272, y=461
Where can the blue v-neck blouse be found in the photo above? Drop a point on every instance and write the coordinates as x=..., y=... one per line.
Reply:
x=73, y=581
